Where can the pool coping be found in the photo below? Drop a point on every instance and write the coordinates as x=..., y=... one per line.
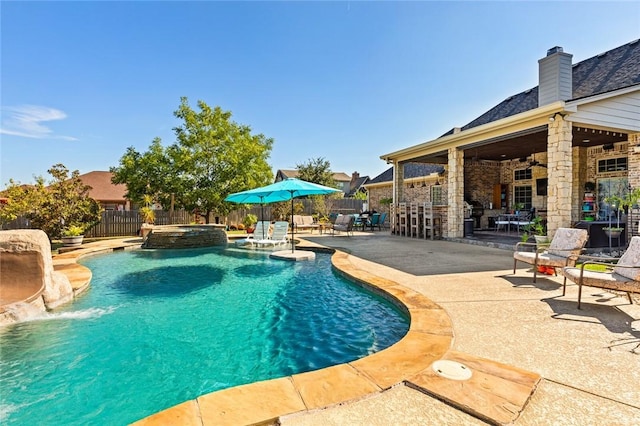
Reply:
x=496, y=393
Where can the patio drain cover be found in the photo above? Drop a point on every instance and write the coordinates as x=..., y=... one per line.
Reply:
x=451, y=370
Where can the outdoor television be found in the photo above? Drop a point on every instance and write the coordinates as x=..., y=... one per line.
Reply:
x=541, y=186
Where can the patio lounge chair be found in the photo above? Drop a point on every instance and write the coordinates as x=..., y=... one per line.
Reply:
x=564, y=249
x=278, y=235
x=344, y=223
x=261, y=228
x=623, y=275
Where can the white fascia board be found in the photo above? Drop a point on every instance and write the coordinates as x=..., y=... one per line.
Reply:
x=525, y=120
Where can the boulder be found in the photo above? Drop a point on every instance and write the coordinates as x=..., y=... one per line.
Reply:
x=26, y=271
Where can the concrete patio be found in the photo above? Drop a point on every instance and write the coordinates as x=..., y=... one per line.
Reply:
x=589, y=359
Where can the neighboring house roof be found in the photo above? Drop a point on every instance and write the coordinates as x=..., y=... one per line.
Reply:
x=283, y=174
x=357, y=185
x=612, y=70
x=411, y=170
x=101, y=187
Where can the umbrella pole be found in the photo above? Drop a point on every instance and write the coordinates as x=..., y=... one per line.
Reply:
x=292, y=242
x=262, y=216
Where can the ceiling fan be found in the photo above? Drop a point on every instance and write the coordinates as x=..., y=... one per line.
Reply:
x=533, y=162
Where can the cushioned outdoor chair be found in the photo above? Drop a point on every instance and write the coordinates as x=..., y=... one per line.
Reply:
x=564, y=249
x=620, y=275
x=344, y=223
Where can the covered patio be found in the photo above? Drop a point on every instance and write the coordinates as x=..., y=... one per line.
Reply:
x=558, y=150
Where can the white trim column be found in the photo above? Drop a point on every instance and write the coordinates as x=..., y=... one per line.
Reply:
x=455, y=194
x=560, y=174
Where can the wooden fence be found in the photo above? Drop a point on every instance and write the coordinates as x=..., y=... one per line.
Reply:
x=125, y=223
x=118, y=223
x=341, y=205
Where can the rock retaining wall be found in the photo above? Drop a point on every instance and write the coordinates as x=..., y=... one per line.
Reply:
x=186, y=236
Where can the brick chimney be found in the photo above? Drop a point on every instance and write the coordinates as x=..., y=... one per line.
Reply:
x=354, y=180
x=555, y=77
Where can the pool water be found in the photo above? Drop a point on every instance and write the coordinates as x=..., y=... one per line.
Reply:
x=159, y=327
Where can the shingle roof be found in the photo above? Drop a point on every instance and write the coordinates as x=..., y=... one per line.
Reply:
x=411, y=170
x=357, y=185
x=612, y=70
x=101, y=187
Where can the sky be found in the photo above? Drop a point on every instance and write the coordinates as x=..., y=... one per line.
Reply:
x=347, y=81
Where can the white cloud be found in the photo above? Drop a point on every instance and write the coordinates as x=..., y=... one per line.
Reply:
x=26, y=121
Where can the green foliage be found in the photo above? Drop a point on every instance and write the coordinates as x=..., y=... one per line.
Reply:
x=360, y=195
x=385, y=201
x=211, y=158
x=282, y=211
x=73, y=231
x=536, y=227
x=65, y=203
x=146, y=212
x=249, y=220
x=318, y=171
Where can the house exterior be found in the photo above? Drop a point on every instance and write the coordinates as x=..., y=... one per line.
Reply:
x=540, y=147
x=421, y=180
x=343, y=180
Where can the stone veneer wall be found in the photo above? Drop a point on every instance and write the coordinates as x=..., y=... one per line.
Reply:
x=186, y=236
x=560, y=166
x=455, y=195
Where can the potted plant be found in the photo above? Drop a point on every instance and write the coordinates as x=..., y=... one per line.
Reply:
x=616, y=203
x=517, y=207
x=72, y=236
x=148, y=216
x=537, y=229
x=248, y=222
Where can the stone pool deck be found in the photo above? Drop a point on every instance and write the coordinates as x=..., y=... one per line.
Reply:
x=535, y=358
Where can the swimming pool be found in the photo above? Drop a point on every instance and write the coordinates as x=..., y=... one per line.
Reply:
x=161, y=327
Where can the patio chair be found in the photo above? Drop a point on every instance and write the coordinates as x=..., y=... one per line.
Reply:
x=344, y=223
x=382, y=223
x=374, y=221
x=622, y=275
x=564, y=249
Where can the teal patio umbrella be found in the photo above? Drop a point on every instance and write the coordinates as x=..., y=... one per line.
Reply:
x=284, y=190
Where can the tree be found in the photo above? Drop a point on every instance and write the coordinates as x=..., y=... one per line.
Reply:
x=149, y=174
x=64, y=203
x=317, y=170
x=211, y=158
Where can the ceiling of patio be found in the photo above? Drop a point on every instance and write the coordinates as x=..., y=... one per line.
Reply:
x=524, y=144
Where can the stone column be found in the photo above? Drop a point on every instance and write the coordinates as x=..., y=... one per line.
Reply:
x=455, y=195
x=633, y=173
x=560, y=174
x=633, y=161
x=398, y=182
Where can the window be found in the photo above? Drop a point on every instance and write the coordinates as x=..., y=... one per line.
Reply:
x=612, y=165
x=522, y=195
x=524, y=174
x=437, y=196
x=608, y=187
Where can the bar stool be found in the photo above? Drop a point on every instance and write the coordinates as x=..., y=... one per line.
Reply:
x=402, y=219
x=414, y=220
x=430, y=223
